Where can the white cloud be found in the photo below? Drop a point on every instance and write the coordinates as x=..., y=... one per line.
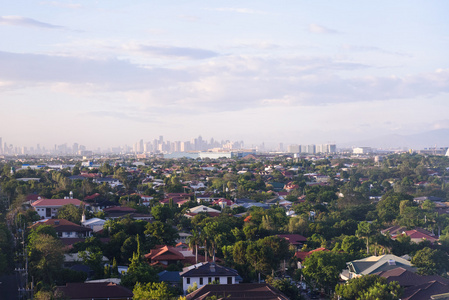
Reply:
x=315, y=28
x=229, y=83
x=171, y=51
x=61, y=4
x=238, y=10
x=28, y=22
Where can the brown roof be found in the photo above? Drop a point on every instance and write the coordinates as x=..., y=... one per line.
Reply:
x=57, y=202
x=61, y=225
x=104, y=290
x=164, y=253
x=119, y=209
x=294, y=239
x=425, y=291
x=303, y=254
x=243, y=291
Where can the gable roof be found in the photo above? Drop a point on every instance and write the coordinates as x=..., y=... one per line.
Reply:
x=425, y=291
x=418, y=235
x=56, y=202
x=164, y=253
x=207, y=269
x=407, y=278
x=301, y=255
x=244, y=291
x=61, y=225
x=374, y=264
x=202, y=208
x=294, y=239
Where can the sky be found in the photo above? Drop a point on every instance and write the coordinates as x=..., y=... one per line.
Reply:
x=108, y=73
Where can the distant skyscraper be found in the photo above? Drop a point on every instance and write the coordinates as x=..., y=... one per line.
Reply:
x=1, y=145
x=75, y=148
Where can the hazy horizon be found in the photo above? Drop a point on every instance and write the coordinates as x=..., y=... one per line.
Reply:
x=109, y=73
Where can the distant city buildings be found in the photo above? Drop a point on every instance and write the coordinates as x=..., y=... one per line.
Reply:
x=199, y=148
x=312, y=148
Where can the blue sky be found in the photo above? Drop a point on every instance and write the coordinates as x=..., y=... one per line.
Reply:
x=106, y=73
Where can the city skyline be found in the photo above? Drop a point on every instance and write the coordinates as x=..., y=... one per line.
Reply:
x=110, y=73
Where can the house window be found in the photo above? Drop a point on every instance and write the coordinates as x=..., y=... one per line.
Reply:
x=209, y=280
x=188, y=280
x=201, y=281
x=217, y=280
x=229, y=280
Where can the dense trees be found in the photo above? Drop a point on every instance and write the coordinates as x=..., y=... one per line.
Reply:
x=342, y=216
x=369, y=287
x=323, y=268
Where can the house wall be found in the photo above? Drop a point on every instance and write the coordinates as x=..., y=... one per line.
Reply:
x=42, y=212
x=185, y=285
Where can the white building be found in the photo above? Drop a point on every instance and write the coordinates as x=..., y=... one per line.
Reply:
x=362, y=150
x=48, y=208
x=205, y=273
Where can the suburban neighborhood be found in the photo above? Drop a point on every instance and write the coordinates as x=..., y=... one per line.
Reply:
x=332, y=225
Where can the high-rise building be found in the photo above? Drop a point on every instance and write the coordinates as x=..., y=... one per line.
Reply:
x=293, y=149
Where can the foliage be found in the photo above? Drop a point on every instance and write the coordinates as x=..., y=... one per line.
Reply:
x=368, y=287
x=46, y=255
x=139, y=271
x=192, y=288
x=430, y=262
x=152, y=291
x=285, y=286
x=70, y=213
x=323, y=268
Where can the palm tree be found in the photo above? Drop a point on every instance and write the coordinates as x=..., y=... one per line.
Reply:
x=194, y=240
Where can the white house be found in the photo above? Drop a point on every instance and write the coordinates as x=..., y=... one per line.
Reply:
x=95, y=224
x=48, y=208
x=205, y=273
x=113, y=182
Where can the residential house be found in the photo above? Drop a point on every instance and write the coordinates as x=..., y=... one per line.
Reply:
x=206, y=197
x=48, y=208
x=416, y=235
x=202, y=209
x=112, y=182
x=95, y=224
x=205, y=273
x=183, y=237
x=295, y=240
x=302, y=255
x=64, y=228
x=164, y=255
x=121, y=211
x=374, y=264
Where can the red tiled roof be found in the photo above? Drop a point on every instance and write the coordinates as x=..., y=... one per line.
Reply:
x=164, y=253
x=303, y=254
x=91, y=197
x=119, y=209
x=57, y=202
x=293, y=239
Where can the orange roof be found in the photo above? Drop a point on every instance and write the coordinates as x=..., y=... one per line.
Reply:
x=303, y=254
x=164, y=253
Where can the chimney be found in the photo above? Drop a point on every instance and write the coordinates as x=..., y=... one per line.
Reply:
x=212, y=267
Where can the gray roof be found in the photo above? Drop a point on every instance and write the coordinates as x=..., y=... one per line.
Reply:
x=207, y=269
x=373, y=264
x=169, y=276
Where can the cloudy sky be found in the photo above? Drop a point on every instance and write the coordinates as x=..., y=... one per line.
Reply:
x=107, y=73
